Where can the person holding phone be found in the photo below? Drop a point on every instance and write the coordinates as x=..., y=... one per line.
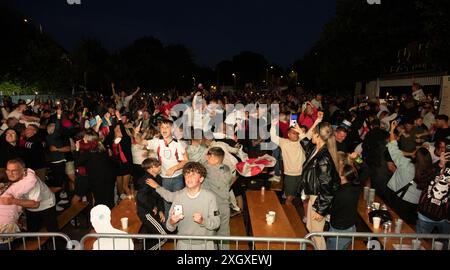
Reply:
x=293, y=158
x=194, y=209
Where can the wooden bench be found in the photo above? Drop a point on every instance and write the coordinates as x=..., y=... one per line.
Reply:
x=63, y=219
x=258, y=205
x=295, y=220
x=277, y=186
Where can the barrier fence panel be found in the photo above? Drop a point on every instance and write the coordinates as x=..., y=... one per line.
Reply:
x=371, y=241
x=191, y=242
x=35, y=241
x=392, y=241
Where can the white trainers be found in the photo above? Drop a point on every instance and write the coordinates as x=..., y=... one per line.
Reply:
x=63, y=195
x=59, y=208
x=62, y=202
x=275, y=178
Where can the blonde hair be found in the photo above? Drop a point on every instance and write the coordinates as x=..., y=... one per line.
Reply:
x=326, y=133
x=91, y=136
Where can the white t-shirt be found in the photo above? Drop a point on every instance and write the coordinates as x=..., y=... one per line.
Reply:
x=169, y=155
x=43, y=195
x=428, y=119
x=123, y=102
x=139, y=153
x=16, y=114
x=431, y=149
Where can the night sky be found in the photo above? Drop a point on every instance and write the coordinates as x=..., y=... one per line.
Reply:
x=281, y=30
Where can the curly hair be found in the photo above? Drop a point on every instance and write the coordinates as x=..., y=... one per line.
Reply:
x=195, y=167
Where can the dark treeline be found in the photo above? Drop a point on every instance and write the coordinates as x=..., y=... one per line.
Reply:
x=359, y=44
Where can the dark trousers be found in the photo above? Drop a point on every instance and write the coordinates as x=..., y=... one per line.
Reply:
x=58, y=174
x=37, y=220
x=152, y=226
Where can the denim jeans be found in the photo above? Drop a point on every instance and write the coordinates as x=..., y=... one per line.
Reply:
x=172, y=184
x=276, y=153
x=343, y=242
x=426, y=226
x=4, y=246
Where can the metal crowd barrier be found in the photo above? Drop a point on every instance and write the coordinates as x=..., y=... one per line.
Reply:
x=41, y=238
x=220, y=241
x=378, y=241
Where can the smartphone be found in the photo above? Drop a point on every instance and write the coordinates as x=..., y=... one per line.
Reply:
x=447, y=148
x=293, y=120
x=398, y=119
x=177, y=210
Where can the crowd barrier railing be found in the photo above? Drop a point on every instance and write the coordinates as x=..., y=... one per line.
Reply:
x=33, y=241
x=221, y=242
x=379, y=241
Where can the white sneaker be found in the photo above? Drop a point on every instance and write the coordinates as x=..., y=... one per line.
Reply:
x=63, y=195
x=62, y=202
x=236, y=208
x=59, y=208
x=275, y=178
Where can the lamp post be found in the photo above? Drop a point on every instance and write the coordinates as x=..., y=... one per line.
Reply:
x=193, y=78
x=271, y=81
x=234, y=79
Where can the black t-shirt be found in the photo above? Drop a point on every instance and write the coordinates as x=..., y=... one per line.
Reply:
x=342, y=147
x=441, y=133
x=35, y=153
x=344, y=208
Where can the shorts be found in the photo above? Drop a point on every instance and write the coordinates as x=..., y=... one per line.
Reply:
x=70, y=167
x=124, y=169
x=291, y=184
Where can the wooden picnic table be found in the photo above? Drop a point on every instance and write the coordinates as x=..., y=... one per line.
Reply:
x=126, y=208
x=258, y=206
x=406, y=228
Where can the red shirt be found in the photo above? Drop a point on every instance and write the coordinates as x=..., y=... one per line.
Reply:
x=284, y=126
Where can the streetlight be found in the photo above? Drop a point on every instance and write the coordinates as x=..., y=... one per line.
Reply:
x=234, y=79
x=193, y=78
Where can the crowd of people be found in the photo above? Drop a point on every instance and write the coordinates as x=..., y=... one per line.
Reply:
x=104, y=149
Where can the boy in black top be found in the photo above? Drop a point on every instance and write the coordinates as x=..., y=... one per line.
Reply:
x=344, y=208
x=150, y=206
